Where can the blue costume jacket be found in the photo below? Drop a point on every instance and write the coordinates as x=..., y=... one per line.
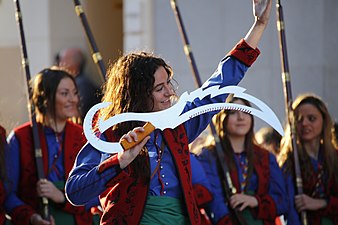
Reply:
x=87, y=180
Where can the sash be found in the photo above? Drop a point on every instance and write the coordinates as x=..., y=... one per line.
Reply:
x=164, y=210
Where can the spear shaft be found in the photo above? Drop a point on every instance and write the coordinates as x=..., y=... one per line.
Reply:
x=31, y=110
x=96, y=55
x=227, y=182
x=288, y=100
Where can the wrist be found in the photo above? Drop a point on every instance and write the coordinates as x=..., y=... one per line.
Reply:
x=324, y=203
x=62, y=198
x=120, y=160
x=255, y=201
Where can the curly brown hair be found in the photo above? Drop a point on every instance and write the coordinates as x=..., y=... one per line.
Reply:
x=328, y=142
x=129, y=86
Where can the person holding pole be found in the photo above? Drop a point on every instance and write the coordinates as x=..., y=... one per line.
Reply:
x=55, y=97
x=151, y=182
x=318, y=157
x=256, y=177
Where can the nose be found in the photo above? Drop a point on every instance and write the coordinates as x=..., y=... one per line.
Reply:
x=240, y=115
x=304, y=121
x=74, y=97
x=169, y=91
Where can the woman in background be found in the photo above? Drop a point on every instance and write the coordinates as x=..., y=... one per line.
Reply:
x=55, y=97
x=260, y=188
x=318, y=159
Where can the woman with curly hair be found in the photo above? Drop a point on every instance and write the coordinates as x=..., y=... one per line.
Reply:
x=318, y=159
x=152, y=183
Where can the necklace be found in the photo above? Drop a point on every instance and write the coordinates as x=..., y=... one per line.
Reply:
x=160, y=151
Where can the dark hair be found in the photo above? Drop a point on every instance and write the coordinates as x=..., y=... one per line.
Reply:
x=44, y=86
x=269, y=139
x=130, y=85
x=220, y=121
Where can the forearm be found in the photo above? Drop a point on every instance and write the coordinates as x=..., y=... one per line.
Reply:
x=255, y=34
x=83, y=185
x=261, y=12
x=85, y=182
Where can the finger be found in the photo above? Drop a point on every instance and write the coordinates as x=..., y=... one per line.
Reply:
x=133, y=135
x=235, y=204
x=243, y=206
x=127, y=137
x=136, y=150
x=138, y=129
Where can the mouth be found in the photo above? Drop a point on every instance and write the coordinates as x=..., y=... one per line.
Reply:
x=306, y=131
x=166, y=102
x=70, y=107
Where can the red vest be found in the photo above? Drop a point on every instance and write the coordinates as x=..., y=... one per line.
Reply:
x=266, y=209
x=73, y=142
x=124, y=200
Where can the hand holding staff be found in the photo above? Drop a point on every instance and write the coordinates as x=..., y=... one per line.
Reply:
x=288, y=100
x=25, y=66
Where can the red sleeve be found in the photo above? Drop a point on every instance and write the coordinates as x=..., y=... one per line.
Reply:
x=244, y=53
x=266, y=209
x=202, y=194
x=112, y=162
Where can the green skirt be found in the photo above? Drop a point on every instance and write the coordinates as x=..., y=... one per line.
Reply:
x=61, y=217
x=164, y=210
x=250, y=219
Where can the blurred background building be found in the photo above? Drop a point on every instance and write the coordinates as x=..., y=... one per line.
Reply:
x=213, y=27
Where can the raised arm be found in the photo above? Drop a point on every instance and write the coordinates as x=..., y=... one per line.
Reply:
x=261, y=12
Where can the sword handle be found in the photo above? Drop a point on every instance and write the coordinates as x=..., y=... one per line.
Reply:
x=148, y=128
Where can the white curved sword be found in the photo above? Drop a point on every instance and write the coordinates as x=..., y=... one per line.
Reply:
x=172, y=117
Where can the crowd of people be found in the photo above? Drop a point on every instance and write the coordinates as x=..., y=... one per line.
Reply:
x=161, y=179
